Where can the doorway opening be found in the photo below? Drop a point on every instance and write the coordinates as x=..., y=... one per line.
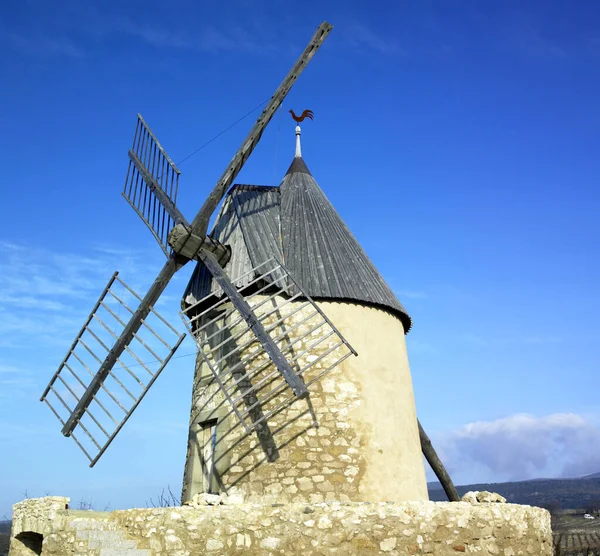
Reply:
x=29, y=542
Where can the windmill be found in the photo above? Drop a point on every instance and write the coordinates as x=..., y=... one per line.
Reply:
x=263, y=338
x=151, y=189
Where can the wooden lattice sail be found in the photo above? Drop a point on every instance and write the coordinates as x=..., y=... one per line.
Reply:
x=151, y=189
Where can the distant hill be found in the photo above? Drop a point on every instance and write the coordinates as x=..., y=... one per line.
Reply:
x=582, y=492
x=4, y=537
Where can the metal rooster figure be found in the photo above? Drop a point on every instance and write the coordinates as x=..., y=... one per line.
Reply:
x=306, y=114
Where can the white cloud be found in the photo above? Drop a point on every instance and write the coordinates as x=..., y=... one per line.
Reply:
x=9, y=369
x=204, y=38
x=17, y=386
x=532, y=41
x=523, y=446
x=360, y=36
x=169, y=428
x=417, y=345
x=71, y=32
x=11, y=430
x=46, y=295
x=78, y=27
x=475, y=339
x=411, y=294
x=36, y=44
x=526, y=339
x=535, y=339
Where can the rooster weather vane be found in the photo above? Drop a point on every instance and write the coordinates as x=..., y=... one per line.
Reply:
x=306, y=114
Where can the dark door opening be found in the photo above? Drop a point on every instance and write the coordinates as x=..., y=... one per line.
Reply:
x=30, y=542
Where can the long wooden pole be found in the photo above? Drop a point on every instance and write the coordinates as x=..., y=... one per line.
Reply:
x=437, y=466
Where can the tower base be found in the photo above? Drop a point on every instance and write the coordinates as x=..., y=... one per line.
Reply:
x=44, y=526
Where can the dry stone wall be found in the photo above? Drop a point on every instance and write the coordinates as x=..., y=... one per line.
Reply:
x=408, y=528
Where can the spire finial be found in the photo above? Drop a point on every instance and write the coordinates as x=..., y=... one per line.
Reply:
x=306, y=114
x=298, y=149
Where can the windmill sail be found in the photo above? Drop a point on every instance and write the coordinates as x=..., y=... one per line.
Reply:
x=151, y=184
x=151, y=189
x=254, y=386
x=256, y=326
x=126, y=383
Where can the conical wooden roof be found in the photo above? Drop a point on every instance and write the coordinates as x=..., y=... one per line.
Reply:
x=295, y=223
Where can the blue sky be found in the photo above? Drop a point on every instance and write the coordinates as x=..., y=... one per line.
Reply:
x=458, y=140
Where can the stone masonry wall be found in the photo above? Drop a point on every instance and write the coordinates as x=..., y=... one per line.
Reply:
x=329, y=447
x=408, y=528
x=253, y=464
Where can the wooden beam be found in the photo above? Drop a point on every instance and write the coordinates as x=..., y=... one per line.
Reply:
x=437, y=466
x=200, y=222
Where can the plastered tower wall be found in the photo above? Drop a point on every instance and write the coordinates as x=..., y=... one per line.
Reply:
x=366, y=446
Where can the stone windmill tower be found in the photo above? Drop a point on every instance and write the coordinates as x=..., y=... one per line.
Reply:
x=357, y=436
x=283, y=304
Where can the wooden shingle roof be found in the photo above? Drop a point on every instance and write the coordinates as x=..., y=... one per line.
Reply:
x=296, y=224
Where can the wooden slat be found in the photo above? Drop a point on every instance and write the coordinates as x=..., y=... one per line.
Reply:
x=83, y=329
x=157, y=143
x=162, y=197
x=295, y=383
x=160, y=283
